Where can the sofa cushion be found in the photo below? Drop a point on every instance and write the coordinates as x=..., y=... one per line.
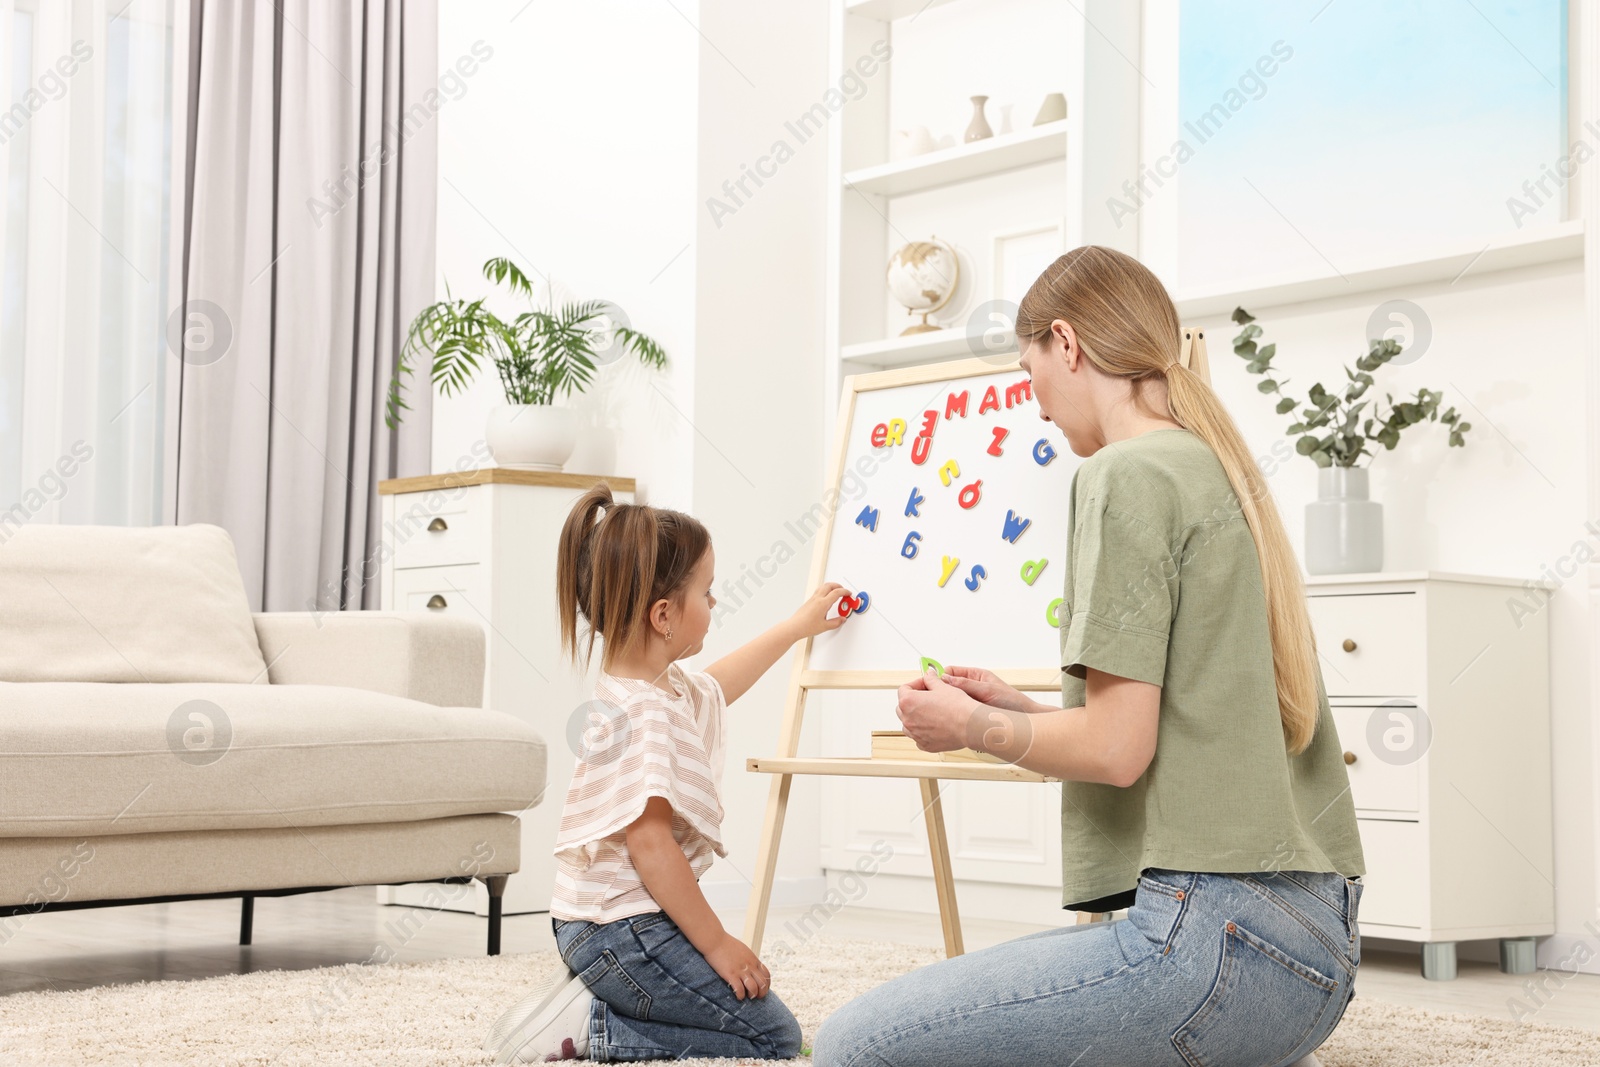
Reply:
x=92, y=759
x=125, y=604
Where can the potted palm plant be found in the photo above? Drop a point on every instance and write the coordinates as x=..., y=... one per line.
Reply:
x=1344, y=529
x=539, y=354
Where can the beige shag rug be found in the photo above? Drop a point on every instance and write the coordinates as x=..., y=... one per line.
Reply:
x=436, y=1014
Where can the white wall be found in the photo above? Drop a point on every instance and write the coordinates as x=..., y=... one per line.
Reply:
x=571, y=149
x=758, y=387
x=575, y=148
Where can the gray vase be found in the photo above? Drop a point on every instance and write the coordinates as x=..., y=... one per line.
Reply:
x=1344, y=530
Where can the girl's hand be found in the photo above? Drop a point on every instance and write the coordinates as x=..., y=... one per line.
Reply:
x=812, y=618
x=739, y=967
x=986, y=688
x=937, y=716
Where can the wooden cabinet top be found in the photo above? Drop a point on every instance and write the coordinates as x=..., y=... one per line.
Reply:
x=501, y=476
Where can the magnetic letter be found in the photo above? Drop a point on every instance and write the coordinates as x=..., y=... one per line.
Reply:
x=1032, y=569
x=970, y=493
x=990, y=401
x=1000, y=433
x=879, y=433
x=929, y=661
x=1014, y=526
x=913, y=502
x=930, y=419
x=956, y=404
x=920, y=449
x=1042, y=452
x=950, y=565
x=862, y=600
x=909, y=549
x=868, y=518
x=951, y=469
x=897, y=431
x=978, y=575
x=1016, y=394
x=1050, y=613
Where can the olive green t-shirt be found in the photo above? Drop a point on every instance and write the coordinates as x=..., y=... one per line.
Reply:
x=1163, y=584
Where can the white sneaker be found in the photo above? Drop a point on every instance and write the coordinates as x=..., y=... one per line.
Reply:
x=517, y=1016
x=557, y=1029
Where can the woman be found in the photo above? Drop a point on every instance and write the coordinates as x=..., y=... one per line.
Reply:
x=1203, y=787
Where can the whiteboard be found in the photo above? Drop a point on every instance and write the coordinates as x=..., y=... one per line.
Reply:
x=990, y=617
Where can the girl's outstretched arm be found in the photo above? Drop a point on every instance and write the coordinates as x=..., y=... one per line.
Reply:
x=740, y=669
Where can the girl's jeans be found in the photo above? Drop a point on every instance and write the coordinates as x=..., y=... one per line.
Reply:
x=658, y=998
x=1243, y=970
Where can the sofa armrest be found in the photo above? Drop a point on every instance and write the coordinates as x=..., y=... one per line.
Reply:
x=437, y=659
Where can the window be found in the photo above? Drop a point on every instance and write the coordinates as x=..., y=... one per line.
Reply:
x=86, y=148
x=1314, y=138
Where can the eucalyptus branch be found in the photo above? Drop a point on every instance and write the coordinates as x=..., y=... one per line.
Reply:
x=1327, y=424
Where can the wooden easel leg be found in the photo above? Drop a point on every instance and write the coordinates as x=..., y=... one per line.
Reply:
x=939, y=852
x=755, y=920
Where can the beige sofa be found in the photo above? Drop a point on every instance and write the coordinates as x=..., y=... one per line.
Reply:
x=159, y=742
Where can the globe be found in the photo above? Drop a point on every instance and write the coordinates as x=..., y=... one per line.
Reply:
x=923, y=277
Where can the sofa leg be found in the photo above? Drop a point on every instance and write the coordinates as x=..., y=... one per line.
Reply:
x=247, y=914
x=497, y=889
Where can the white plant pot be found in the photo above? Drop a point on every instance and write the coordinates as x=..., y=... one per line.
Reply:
x=535, y=437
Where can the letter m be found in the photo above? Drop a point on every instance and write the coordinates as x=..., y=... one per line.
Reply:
x=868, y=518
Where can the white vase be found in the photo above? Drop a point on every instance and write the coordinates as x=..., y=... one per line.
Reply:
x=536, y=437
x=1344, y=529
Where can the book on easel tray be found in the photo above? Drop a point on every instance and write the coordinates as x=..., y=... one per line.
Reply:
x=894, y=744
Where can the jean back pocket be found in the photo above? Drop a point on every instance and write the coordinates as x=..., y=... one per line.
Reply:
x=1261, y=1008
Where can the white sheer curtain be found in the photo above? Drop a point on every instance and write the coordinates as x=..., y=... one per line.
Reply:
x=87, y=144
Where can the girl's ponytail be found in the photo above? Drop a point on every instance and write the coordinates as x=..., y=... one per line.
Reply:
x=614, y=560
x=574, y=566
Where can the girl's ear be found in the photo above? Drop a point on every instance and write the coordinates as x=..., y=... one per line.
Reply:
x=658, y=616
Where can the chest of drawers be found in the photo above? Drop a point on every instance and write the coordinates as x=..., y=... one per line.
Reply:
x=482, y=544
x=1440, y=690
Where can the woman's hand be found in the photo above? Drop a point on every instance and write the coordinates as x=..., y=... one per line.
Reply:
x=812, y=618
x=986, y=688
x=937, y=716
x=739, y=967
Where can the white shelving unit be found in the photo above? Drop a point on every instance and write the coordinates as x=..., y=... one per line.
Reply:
x=964, y=162
x=967, y=195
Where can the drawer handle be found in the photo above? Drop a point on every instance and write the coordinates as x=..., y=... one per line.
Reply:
x=1349, y=758
x=435, y=602
x=438, y=525
x=1348, y=646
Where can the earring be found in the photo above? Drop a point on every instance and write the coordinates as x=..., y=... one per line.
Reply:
x=669, y=633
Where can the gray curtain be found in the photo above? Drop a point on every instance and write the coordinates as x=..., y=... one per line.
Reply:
x=308, y=247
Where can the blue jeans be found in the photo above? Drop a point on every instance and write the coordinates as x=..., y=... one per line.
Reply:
x=1244, y=970
x=658, y=998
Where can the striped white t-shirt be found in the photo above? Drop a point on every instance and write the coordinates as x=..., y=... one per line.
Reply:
x=639, y=742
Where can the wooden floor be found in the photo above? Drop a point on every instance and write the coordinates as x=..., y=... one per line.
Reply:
x=160, y=942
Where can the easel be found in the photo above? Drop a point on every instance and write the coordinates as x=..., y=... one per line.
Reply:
x=803, y=679
x=1192, y=351
x=928, y=774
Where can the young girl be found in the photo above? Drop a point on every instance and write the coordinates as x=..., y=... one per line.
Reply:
x=651, y=973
